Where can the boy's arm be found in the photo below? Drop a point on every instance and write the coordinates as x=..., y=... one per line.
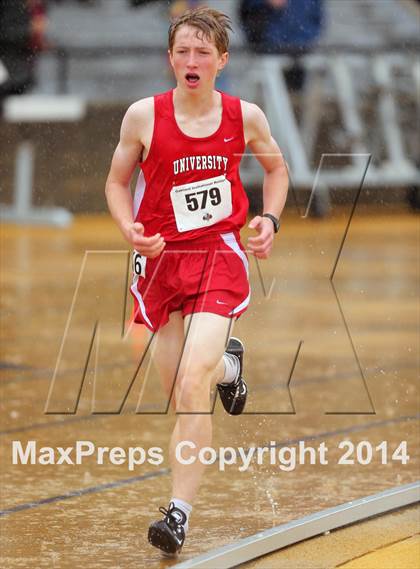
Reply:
x=276, y=179
x=117, y=189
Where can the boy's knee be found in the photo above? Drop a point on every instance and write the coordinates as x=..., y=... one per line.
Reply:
x=192, y=393
x=199, y=370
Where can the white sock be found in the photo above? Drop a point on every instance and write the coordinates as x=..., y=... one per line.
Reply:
x=184, y=507
x=231, y=368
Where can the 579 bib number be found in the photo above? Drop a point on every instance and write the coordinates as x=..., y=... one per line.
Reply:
x=201, y=204
x=198, y=200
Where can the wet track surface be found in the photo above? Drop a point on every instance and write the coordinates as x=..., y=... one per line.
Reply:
x=351, y=379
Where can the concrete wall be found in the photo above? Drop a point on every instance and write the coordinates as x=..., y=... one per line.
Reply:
x=72, y=159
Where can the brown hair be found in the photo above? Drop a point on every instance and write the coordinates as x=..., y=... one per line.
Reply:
x=214, y=26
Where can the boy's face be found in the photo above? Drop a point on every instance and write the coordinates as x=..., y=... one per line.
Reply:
x=195, y=60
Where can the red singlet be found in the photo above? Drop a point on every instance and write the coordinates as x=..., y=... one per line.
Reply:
x=197, y=169
x=190, y=192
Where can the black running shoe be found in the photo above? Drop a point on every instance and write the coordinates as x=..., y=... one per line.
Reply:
x=168, y=534
x=233, y=395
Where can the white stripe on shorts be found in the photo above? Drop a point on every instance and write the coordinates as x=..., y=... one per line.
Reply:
x=231, y=241
x=139, y=298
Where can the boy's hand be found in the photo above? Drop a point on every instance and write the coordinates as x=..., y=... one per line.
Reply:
x=261, y=245
x=148, y=246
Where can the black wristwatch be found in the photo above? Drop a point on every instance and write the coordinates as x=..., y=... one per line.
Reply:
x=276, y=222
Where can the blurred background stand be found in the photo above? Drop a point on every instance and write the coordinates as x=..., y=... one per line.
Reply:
x=339, y=81
x=364, y=98
x=23, y=27
x=24, y=110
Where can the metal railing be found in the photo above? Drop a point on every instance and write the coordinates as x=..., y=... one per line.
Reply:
x=276, y=538
x=374, y=98
x=339, y=76
x=65, y=55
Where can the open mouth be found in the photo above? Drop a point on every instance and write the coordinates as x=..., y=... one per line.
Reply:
x=192, y=78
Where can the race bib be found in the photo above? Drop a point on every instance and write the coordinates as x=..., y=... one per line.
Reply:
x=202, y=203
x=139, y=264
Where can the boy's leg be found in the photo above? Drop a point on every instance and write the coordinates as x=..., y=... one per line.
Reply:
x=206, y=336
x=200, y=368
x=201, y=365
x=167, y=350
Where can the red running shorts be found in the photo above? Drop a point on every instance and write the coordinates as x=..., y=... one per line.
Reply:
x=201, y=275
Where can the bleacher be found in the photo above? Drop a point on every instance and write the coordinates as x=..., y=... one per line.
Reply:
x=108, y=55
x=119, y=53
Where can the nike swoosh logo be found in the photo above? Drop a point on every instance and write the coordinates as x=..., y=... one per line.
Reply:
x=220, y=302
x=228, y=139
